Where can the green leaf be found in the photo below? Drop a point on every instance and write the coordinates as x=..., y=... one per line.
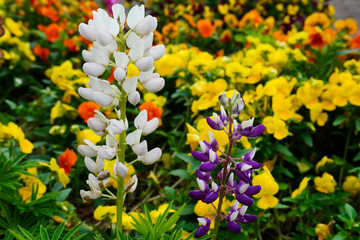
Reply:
x=80, y=237
x=17, y=235
x=339, y=120
x=282, y=149
x=172, y=220
x=43, y=233
x=180, y=173
x=170, y=191
x=281, y=206
x=11, y=104
x=27, y=234
x=340, y=236
x=357, y=124
x=307, y=138
x=350, y=211
x=63, y=195
x=58, y=231
x=190, y=160
x=72, y=232
x=357, y=157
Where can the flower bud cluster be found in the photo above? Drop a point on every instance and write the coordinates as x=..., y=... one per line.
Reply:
x=228, y=168
x=109, y=42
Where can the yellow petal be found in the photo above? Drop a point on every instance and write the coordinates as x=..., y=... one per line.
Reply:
x=267, y=201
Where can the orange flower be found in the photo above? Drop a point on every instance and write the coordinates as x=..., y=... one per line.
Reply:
x=252, y=18
x=280, y=36
x=170, y=30
x=205, y=27
x=190, y=20
x=316, y=38
x=71, y=45
x=86, y=110
x=67, y=159
x=43, y=53
x=49, y=12
x=355, y=41
x=316, y=19
x=152, y=110
x=349, y=25
x=51, y=31
x=231, y=20
x=225, y=36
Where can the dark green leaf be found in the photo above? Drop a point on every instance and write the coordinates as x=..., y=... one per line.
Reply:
x=43, y=233
x=357, y=124
x=17, y=235
x=72, y=232
x=307, y=138
x=350, y=211
x=58, y=231
x=180, y=173
x=27, y=234
x=63, y=195
x=282, y=149
x=357, y=157
x=339, y=120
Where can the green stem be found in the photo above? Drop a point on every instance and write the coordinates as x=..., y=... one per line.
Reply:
x=344, y=157
x=121, y=158
x=223, y=182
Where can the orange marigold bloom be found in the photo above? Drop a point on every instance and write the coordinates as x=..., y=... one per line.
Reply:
x=52, y=31
x=152, y=110
x=253, y=18
x=43, y=53
x=355, y=41
x=205, y=27
x=67, y=159
x=86, y=110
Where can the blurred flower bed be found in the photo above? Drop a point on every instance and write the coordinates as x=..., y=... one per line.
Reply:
x=296, y=67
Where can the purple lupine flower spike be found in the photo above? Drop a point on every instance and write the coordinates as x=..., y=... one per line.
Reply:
x=229, y=111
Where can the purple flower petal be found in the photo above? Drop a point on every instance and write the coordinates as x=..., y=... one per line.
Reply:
x=203, y=175
x=197, y=195
x=213, y=124
x=200, y=156
x=247, y=218
x=244, y=176
x=207, y=166
x=201, y=231
x=233, y=226
x=252, y=190
x=211, y=197
x=244, y=199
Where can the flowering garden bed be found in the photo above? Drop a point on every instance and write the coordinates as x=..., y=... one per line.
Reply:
x=174, y=120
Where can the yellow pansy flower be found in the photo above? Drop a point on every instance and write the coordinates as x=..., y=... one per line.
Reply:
x=269, y=188
x=352, y=185
x=87, y=134
x=323, y=162
x=158, y=101
x=192, y=137
x=14, y=27
x=102, y=212
x=274, y=125
x=322, y=230
x=61, y=110
x=325, y=184
x=302, y=186
x=32, y=183
x=62, y=177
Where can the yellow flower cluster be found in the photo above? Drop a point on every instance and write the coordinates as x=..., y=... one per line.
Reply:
x=67, y=79
x=61, y=175
x=14, y=131
x=32, y=185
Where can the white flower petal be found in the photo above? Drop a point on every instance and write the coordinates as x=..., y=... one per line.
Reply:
x=104, y=38
x=93, y=69
x=141, y=119
x=156, y=52
x=102, y=99
x=133, y=138
x=129, y=85
x=121, y=59
x=145, y=63
x=132, y=39
x=137, y=51
x=86, y=93
x=150, y=126
x=140, y=148
x=134, y=98
x=88, y=56
x=87, y=31
x=146, y=25
x=151, y=156
x=154, y=85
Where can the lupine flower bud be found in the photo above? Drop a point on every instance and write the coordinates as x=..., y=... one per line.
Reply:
x=86, y=93
x=154, y=85
x=204, y=227
x=134, y=98
x=145, y=63
x=223, y=100
x=131, y=185
x=93, y=69
x=121, y=169
x=151, y=157
x=102, y=98
x=87, y=31
x=156, y=52
x=88, y=56
x=146, y=25
x=103, y=37
x=119, y=74
x=94, y=167
x=103, y=175
x=96, y=124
